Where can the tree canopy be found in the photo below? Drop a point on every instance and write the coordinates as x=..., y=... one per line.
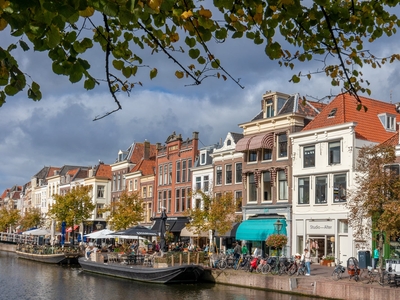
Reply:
x=126, y=212
x=74, y=207
x=374, y=203
x=216, y=214
x=337, y=33
x=9, y=216
x=32, y=218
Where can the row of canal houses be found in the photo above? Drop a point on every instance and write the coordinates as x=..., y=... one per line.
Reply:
x=292, y=162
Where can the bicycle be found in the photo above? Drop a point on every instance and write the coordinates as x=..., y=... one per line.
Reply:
x=338, y=271
x=302, y=270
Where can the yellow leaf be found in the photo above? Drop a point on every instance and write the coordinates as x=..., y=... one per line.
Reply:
x=206, y=13
x=187, y=14
x=179, y=74
x=3, y=24
x=174, y=37
x=155, y=4
x=88, y=12
x=4, y=4
x=259, y=9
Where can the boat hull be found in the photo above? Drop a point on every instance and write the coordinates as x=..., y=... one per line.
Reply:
x=177, y=274
x=45, y=258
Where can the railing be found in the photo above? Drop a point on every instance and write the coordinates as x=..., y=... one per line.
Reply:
x=14, y=238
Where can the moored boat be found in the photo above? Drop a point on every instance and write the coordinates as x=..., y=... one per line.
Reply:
x=46, y=258
x=170, y=274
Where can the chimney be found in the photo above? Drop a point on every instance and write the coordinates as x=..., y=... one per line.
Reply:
x=158, y=146
x=146, y=153
x=195, y=135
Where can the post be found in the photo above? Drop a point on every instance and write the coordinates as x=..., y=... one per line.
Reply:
x=188, y=257
x=172, y=260
x=180, y=259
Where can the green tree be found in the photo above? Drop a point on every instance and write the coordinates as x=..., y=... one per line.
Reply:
x=337, y=33
x=216, y=214
x=32, y=218
x=125, y=212
x=9, y=217
x=373, y=204
x=74, y=207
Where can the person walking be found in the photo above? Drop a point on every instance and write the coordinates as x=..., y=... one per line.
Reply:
x=237, y=250
x=307, y=260
x=245, y=251
x=376, y=257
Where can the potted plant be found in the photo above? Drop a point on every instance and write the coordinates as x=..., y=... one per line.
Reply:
x=276, y=241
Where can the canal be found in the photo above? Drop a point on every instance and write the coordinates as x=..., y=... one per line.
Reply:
x=28, y=280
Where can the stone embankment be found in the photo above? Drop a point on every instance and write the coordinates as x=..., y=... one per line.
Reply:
x=319, y=284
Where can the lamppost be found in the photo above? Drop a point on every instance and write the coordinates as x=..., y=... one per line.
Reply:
x=99, y=226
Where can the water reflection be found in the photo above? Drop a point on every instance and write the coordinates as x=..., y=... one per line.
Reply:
x=24, y=279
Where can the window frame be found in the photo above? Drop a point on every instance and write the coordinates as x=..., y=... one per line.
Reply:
x=318, y=189
x=252, y=156
x=282, y=186
x=303, y=190
x=309, y=156
x=228, y=174
x=252, y=188
x=218, y=175
x=334, y=149
x=266, y=182
x=238, y=173
x=282, y=146
x=339, y=188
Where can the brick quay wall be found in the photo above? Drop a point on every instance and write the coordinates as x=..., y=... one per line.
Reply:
x=316, y=285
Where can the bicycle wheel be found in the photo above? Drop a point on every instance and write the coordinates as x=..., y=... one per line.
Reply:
x=222, y=264
x=266, y=269
x=384, y=280
x=259, y=268
x=336, y=275
x=275, y=270
x=301, y=271
x=292, y=270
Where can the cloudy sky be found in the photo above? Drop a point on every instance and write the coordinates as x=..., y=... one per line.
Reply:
x=59, y=129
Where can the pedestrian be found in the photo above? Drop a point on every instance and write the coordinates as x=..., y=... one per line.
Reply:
x=244, y=250
x=307, y=260
x=376, y=257
x=237, y=250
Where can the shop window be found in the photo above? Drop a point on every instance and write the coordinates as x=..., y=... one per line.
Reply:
x=304, y=190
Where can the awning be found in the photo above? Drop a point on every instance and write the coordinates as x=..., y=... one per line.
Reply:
x=258, y=229
x=262, y=141
x=187, y=233
x=69, y=229
x=243, y=143
x=178, y=225
x=230, y=233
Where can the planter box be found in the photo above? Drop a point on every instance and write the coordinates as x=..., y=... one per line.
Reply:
x=325, y=262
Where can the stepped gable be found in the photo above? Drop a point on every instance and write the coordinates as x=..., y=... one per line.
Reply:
x=343, y=109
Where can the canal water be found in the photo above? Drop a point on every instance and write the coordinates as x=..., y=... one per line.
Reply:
x=29, y=280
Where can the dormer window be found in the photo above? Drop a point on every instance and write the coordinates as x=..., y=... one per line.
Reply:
x=388, y=121
x=228, y=142
x=332, y=113
x=203, y=158
x=269, y=108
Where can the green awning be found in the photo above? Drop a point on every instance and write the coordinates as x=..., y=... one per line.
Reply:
x=258, y=229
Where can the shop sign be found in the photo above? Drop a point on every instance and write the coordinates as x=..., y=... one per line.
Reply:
x=323, y=227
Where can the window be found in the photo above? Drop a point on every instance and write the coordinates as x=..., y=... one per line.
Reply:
x=170, y=173
x=184, y=171
x=320, y=189
x=252, y=155
x=188, y=199
x=178, y=171
x=238, y=201
x=388, y=121
x=165, y=199
x=160, y=175
x=281, y=103
x=267, y=154
x=159, y=201
x=144, y=192
x=282, y=145
x=130, y=183
x=309, y=156
x=269, y=108
x=198, y=183
x=99, y=214
x=177, y=200
x=166, y=175
x=339, y=188
x=119, y=182
x=135, y=184
x=205, y=184
x=219, y=175
x=252, y=188
x=198, y=203
x=189, y=170
x=228, y=142
x=343, y=226
x=169, y=201
x=304, y=190
x=202, y=158
x=183, y=199
x=283, y=186
x=100, y=191
x=150, y=191
x=267, y=187
x=334, y=153
x=228, y=174
x=238, y=172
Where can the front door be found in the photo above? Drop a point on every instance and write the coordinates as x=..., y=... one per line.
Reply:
x=344, y=254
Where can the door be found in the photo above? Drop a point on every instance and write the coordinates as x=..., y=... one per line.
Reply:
x=344, y=252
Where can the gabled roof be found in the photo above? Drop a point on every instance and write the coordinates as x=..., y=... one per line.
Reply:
x=146, y=166
x=103, y=171
x=343, y=109
x=236, y=136
x=393, y=140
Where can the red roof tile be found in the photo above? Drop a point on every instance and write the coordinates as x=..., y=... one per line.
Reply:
x=369, y=127
x=104, y=171
x=147, y=167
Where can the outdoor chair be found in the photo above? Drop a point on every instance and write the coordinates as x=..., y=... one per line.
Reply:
x=112, y=257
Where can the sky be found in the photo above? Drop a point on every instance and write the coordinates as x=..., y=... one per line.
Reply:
x=59, y=130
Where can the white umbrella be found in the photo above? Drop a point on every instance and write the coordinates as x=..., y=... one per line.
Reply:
x=101, y=234
x=39, y=232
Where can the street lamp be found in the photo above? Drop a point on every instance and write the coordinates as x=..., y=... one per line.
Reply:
x=278, y=226
x=99, y=226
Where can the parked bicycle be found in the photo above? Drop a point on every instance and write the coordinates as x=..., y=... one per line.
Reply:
x=338, y=271
x=378, y=275
x=302, y=269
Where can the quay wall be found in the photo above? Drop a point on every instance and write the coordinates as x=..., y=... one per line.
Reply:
x=313, y=285
x=8, y=247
